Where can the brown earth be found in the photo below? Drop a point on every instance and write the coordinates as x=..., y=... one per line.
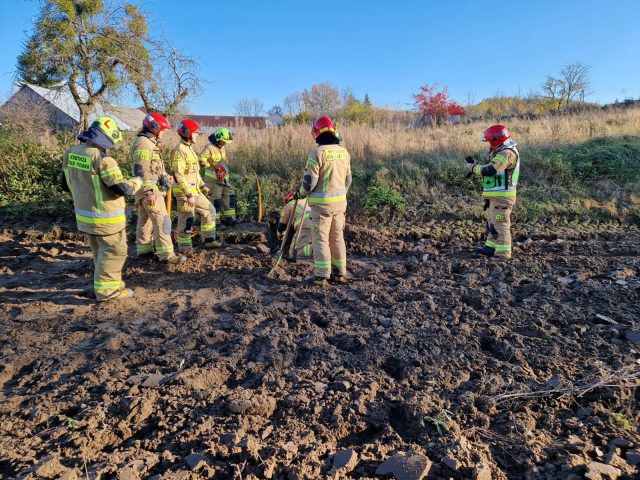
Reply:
x=431, y=363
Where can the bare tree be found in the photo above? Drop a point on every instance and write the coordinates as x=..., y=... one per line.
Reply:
x=575, y=77
x=553, y=89
x=173, y=77
x=321, y=99
x=293, y=104
x=89, y=46
x=249, y=107
x=572, y=85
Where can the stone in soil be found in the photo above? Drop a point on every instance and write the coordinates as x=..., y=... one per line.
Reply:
x=600, y=471
x=402, y=467
x=346, y=460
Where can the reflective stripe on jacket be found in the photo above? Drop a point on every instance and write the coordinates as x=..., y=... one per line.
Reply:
x=186, y=170
x=328, y=175
x=287, y=210
x=89, y=174
x=212, y=156
x=147, y=163
x=504, y=182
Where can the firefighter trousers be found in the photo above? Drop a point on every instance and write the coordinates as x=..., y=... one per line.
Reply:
x=186, y=219
x=109, y=255
x=154, y=229
x=498, y=217
x=224, y=199
x=329, y=249
x=303, y=247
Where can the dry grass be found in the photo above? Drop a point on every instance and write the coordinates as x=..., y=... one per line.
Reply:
x=278, y=150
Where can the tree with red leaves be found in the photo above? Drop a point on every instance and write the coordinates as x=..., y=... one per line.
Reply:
x=435, y=106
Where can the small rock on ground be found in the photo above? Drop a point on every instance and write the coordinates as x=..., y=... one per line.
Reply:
x=414, y=467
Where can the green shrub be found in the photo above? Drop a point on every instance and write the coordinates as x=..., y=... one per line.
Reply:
x=382, y=195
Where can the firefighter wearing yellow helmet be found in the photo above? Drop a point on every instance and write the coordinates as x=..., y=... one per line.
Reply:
x=216, y=177
x=98, y=189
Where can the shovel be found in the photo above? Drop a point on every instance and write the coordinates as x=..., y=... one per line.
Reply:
x=284, y=239
x=297, y=237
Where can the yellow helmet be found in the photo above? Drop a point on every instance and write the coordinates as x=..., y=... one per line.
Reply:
x=109, y=127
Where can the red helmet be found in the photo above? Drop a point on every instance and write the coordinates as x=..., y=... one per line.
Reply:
x=155, y=123
x=287, y=197
x=322, y=124
x=496, y=135
x=187, y=128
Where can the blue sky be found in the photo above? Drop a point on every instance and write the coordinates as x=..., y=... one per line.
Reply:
x=268, y=50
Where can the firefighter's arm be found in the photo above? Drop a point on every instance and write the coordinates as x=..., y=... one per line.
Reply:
x=311, y=175
x=205, y=157
x=179, y=166
x=498, y=164
x=111, y=176
x=142, y=168
x=349, y=178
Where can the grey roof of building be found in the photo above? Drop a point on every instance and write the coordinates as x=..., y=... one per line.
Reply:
x=127, y=118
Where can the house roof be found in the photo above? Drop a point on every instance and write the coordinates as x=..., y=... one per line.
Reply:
x=222, y=121
x=127, y=118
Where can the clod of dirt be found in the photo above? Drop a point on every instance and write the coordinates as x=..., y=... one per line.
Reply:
x=245, y=403
x=345, y=460
x=195, y=461
x=481, y=472
x=452, y=463
x=633, y=457
x=600, y=471
x=146, y=380
x=632, y=336
x=50, y=467
x=402, y=467
x=262, y=248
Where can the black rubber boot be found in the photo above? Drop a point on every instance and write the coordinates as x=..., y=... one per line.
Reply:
x=488, y=251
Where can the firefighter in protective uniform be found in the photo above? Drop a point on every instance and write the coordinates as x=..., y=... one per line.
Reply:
x=154, y=222
x=216, y=176
x=98, y=189
x=190, y=191
x=326, y=181
x=301, y=220
x=499, y=184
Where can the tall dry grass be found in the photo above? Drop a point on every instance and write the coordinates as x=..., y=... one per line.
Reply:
x=280, y=150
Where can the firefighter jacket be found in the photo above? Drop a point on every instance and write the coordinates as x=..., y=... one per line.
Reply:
x=98, y=189
x=301, y=217
x=186, y=171
x=212, y=156
x=500, y=176
x=147, y=164
x=328, y=175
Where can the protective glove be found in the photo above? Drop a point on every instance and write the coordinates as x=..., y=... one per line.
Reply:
x=164, y=183
x=221, y=172
x=470, y=164
x=206, y=190
x=191, y=201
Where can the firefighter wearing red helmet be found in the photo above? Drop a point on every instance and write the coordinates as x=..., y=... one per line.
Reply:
x=499, y=185
x=153, y=232
x=326, y=181
x=190, y=191
x=301, y=221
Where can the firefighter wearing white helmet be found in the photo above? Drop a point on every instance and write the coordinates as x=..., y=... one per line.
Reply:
x=98, y=189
